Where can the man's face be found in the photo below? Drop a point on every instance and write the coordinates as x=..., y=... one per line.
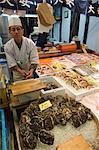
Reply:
x=16, y=32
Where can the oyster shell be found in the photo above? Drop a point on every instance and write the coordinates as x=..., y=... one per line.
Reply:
x=46, y=137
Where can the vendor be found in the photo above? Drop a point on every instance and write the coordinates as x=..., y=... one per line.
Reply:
x=21, y=52
x=43, y=30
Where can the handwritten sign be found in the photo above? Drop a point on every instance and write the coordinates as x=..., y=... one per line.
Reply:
x=45, y=105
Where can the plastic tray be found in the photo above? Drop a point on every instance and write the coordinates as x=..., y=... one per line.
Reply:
x=58, y=91
x=61, y=133
x=72, y=92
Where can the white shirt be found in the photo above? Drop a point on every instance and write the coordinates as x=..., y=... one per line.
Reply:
x=24, y=57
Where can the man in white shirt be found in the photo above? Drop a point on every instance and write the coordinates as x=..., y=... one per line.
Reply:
x=21, y=52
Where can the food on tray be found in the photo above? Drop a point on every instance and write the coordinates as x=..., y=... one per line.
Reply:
x=34, y=123
x=83, y=58
x=50, y=86
x=85, y=69
x=48, y=123
x=74, y=79
x=30, y=141
x=92, y=101
x=58, y=66
x=46, y=137
x=44, y=69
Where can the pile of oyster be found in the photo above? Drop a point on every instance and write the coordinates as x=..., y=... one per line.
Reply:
x=35, y=124
x=50, y=86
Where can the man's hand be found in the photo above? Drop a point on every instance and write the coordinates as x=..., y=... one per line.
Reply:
x=23, y=73
x=29, y=74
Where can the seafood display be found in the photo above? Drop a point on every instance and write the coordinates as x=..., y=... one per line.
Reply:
x=57, y=66
x=35, y=124
x=86, y=69
x=44, y=70
x=92, y=101
x=50, y=86
x=83, y=58
x=75, y=80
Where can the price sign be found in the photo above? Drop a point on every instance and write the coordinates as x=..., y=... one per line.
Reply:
x=45, y=105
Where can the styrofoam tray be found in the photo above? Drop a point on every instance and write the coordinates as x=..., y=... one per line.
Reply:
x=58, y=91
x=72, y=92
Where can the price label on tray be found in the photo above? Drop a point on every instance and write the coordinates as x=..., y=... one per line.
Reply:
x=58, y=65
x=93, y=64
x=90, y=80
x=45, y=105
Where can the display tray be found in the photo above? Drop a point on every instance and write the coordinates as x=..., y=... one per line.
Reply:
x=92, y=102
x=75, y=94
x=85, y=70
x=59, y=89
x=44, y=70
x=63, y=133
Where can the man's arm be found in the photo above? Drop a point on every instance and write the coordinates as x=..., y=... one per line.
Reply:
x=31, y=71
x=18, y=69
x=34, y=60
x=12, y=63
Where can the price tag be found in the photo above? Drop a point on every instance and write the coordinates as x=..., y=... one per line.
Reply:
x=58, y=65
x=45, y=105
x=90, y=80
x=93, y=64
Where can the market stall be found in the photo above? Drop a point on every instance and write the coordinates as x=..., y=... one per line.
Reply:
x=60, y=109
x=51, y=116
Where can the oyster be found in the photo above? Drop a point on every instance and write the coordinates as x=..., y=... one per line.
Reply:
x=48, y=123
x=50, y=86
x=35, y=124
x=46, y=137
x=24, y=129
x=30, y=141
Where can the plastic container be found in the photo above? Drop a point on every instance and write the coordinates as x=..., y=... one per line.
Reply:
x=72, y=92
x=5, y=132
x=57, y=91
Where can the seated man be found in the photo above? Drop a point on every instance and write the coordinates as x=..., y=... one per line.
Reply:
x=21, y=52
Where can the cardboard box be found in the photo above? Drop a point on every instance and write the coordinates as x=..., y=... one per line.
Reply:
x=75, y=143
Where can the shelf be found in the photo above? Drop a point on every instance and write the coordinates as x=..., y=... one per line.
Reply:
x=47, y=55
